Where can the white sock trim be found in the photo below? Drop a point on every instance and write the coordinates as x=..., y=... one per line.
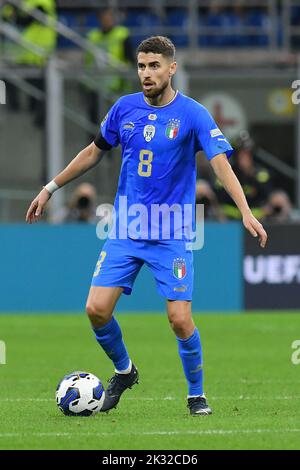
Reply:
x=126, y=371
x=195, y=396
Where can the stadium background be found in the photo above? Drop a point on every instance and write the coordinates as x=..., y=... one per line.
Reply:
x=240, y=59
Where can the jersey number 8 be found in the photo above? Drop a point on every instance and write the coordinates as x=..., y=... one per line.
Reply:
x=145, y=167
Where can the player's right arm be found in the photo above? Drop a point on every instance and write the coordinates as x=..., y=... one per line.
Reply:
x=84, y=160
x=107, y=137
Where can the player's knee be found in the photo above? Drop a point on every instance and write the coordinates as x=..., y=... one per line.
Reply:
x=98, y=313
x=180, y=323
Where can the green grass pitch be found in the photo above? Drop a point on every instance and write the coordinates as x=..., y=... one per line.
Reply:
x=250, y=381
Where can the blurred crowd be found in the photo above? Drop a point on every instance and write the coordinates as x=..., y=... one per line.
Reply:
x=41, y=40
x=111, y=30
x=242, y=24
x=269, y=202
x=217, y=25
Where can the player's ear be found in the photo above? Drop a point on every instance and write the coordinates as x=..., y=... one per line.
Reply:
x=173, y=67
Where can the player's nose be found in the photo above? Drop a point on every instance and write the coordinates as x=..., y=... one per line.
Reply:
x=146, y=76
x=146, y=72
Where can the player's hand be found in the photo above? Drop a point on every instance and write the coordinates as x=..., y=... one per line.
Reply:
x=255, y=228
x=36, y=208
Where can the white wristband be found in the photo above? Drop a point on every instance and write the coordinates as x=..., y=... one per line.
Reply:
x=51, y=187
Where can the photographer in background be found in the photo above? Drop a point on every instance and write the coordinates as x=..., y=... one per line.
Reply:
x=205, y=195
x=82, y=206
x=255, y=181
x=279, y=208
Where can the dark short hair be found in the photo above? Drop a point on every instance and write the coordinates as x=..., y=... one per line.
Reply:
x=158, y=45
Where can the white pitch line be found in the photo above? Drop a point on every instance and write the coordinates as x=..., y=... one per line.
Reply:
x=206, y=432
x=26, y=399
x=240, y=397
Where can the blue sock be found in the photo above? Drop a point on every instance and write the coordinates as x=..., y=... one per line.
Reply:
x=110, y=339
x=190, y=352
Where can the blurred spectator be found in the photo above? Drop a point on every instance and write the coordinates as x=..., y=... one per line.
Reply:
x=36, y=34
x=217, y=18
x=279, y=208
x=239, y=12
x=178, y=17
x=146, y=20
x=115, y=40
x=82, y=206
x=204, y=169
x=254, y=180
x=228, y=24
x=259, y=19
x=206, y=195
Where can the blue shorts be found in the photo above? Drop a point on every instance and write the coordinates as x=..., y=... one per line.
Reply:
x=170, y=262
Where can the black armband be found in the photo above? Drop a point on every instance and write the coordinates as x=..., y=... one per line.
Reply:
x=101, y=143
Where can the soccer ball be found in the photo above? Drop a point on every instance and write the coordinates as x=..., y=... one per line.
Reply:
x=80, y=394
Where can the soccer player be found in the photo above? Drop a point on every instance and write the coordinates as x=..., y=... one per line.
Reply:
x=160, y=131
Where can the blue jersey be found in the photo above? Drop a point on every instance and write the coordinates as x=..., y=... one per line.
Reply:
x=159, y=144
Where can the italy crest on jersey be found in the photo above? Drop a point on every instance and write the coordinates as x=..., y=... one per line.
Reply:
x=149, y=132
x=179, y=268
x=172, y=128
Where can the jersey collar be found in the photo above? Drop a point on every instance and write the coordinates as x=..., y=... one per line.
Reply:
x=163, y=105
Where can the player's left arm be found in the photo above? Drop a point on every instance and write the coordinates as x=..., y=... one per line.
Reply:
x=226, y=175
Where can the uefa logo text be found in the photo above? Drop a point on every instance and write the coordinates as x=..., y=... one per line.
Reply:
x=2, y=352
x=2, y=92
x=295, y=358
x=154, y=222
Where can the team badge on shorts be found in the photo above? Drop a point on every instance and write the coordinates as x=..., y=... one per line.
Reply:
x=149, y=132
x=172, y=128
x=179, y=268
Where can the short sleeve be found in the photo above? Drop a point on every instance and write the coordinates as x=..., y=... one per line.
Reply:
x=110, y=126
x=209, y=137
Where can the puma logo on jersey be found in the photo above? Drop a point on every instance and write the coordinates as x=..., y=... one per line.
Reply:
x=128, y=125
